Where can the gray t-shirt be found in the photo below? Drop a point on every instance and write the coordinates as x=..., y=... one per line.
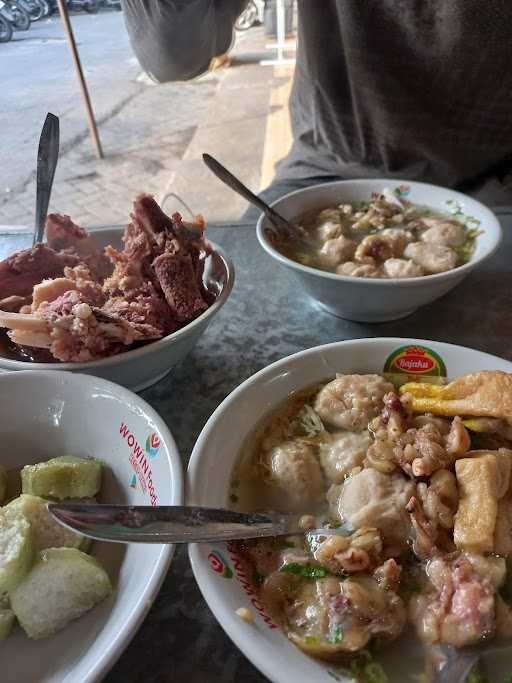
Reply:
x=417, y=89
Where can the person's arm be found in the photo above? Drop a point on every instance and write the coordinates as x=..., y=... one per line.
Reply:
x=176, y=40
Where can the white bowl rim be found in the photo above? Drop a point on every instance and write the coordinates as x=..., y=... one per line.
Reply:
x=391, y=281
x=145, y=600
x=229, y=622
x=134, y=354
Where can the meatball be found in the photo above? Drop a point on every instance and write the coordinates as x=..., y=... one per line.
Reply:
x=295, y=470
x=351, y=401
x=398, y=238
x=433, y=258
x=329, y=229
x=444, y=232
x=373, y=499
x=337, y=250
x=357, y=269
x=399, y=267
x=374, y=248
x=346, y=451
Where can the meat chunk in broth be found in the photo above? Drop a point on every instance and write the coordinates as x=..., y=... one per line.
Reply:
x=336, y=250
x=329, y=617
x=433, y=258
x=295, y=472
x=345, y=451
x=443, y=232
x=351, y=401
x=400, y=267
x=373, y=499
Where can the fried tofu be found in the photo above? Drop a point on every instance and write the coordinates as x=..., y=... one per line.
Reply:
x=482, y=522
x=481, y=394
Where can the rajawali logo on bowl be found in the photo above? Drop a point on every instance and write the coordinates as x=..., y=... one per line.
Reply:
x=415, y=363
x=139, y=462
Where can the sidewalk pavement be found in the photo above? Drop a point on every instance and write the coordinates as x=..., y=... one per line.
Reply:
x=154, y=142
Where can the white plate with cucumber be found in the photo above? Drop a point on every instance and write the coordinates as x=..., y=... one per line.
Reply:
x=68, y=607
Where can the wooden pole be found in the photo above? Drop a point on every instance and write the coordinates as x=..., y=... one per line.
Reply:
x=81, y=79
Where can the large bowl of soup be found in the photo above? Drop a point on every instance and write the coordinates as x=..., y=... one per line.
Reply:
x=400, y=451
x=376, y=250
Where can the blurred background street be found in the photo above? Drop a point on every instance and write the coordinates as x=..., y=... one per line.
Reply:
x=153, y=135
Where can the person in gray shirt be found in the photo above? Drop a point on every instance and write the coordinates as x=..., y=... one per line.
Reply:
x=415, y=89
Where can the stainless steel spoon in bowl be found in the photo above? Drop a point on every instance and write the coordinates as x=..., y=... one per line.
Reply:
x=177, y=524
x=282, y=227
x=47, y=157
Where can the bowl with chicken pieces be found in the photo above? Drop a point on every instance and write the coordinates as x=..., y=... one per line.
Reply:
x=125, y=305
x=408, y=477
x=376, y=250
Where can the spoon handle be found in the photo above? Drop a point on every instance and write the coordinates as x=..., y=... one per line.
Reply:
x=47, y=156
x=282, y=227
x=170, y=524
x=229, y=179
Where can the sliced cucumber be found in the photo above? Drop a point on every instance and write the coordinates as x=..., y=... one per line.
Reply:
x=16, y=549
x=46, y=531
x=63, y=584
x=6, y=623
x=3, y=483
x=64, y=477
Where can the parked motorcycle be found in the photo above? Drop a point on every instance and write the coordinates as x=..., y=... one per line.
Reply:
x=112, y=4
x=35, y=8
x=5, y=27
x=15, y=14
x=251, y=16
x=90, y=6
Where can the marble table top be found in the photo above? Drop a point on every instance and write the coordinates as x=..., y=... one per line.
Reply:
x=266, y=318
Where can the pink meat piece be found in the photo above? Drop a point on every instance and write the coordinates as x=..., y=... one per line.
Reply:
x=146, y=310
x=21, y=271
x=150, y=216
x=178, y=280
x=64, y=235
x=80, y=332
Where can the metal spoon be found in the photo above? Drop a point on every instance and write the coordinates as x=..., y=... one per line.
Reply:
x=283, y=228
x=47, y=157
x=176, y=524
x=459, y=663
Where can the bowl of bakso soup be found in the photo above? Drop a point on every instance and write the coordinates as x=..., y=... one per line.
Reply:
x=376, y=250
x=398, y=454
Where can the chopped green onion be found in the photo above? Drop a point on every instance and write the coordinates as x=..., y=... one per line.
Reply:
x=306, y=570
x=336, y=636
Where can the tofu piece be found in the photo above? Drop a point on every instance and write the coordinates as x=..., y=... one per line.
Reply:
x=16, y=550
x=503, y=530
x=64, y=477
x=475, y=520
x=46, y=531
x=63, y=584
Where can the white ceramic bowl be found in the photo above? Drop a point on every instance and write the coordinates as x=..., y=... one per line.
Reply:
x=373, y=299
x=217, y=570
x=55, y=413
x=141, y=368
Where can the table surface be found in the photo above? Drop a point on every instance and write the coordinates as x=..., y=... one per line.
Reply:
x=266, y=318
